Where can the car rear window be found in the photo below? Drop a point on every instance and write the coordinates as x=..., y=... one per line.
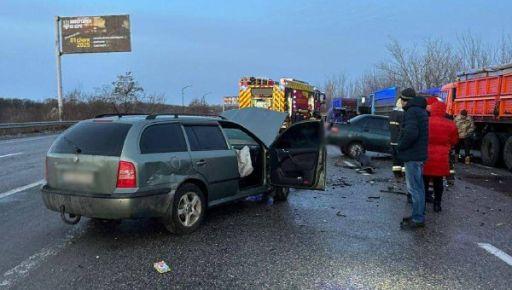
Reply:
x=205, y=137
x=93, y=138
x=163, y=138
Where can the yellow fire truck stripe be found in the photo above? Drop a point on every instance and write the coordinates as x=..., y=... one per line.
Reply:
x=245, y=98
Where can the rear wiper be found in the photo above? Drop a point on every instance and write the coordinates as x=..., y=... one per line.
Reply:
x=77, y=149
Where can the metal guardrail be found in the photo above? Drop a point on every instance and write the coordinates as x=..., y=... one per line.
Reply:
x=35, y=124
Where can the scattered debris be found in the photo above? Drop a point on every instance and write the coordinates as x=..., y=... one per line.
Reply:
x=161, y=267
x=366, y=170
x=340, y=182
x=349, y=164
x=499, y=224
x=362, y=164
x=373, y=197
x=393, y=191
x=364, y=160
x=339, y=213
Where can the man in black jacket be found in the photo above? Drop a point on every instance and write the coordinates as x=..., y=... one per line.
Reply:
x=412, y=150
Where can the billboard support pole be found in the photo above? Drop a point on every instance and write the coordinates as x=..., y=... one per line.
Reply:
x=59, y=70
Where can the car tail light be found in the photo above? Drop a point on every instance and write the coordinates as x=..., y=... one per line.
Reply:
x=126, y=175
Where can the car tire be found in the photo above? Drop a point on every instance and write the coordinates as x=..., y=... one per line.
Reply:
x=490, y=149
x=281, y=193
x=343, y=150
x=507, y=153
x=355, y=149
x=187, y=210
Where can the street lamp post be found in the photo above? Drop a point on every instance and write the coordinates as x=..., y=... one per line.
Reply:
x=204, y=95
x=183, y=97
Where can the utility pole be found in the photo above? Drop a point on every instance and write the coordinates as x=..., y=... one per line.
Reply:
x=59, y=70
x=183, y=97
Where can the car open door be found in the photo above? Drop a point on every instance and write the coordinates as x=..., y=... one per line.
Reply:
x=298, y=157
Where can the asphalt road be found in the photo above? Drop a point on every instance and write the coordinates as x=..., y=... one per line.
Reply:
x=345, y=237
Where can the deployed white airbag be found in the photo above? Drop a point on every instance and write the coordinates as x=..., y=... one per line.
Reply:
x=244, y=161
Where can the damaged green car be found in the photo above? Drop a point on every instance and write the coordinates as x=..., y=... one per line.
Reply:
x=175, y=167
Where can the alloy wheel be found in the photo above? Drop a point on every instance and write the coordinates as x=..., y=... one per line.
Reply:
x=189, y=209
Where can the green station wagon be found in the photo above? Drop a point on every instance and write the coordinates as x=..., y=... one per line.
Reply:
x=174, y=167
x=361, y=133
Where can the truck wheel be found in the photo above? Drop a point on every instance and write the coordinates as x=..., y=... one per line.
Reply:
x=490, y=149
x=507, y=153
x=187, y=210
x=355, y=149
x=281, y=193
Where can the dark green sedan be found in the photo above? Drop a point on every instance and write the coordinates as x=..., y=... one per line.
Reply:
x=361, y=133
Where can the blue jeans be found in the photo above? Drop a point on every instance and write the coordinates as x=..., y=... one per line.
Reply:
x=414, y=180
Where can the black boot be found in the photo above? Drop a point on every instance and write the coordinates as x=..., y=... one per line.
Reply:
x=409, y=198
x=437, y=206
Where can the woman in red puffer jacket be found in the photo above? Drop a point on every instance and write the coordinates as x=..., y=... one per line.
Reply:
x=442, y=135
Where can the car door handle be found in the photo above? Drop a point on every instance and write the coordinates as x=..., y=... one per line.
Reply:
x=201, y=162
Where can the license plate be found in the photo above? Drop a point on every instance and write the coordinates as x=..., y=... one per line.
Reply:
x=84, y=178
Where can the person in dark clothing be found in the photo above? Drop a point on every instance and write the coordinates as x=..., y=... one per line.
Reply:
x=466, y=127
x=412, y=150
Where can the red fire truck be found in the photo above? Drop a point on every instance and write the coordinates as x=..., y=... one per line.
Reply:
x=300, y=99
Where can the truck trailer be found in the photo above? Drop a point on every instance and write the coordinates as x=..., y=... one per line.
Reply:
x=380, y=102
x=342, y=110
x=486, y=94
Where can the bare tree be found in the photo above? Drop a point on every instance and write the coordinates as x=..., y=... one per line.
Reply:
x=126, y=93
x=503, y=53
x=337, y=86
x=473, y=52
x=430, y=65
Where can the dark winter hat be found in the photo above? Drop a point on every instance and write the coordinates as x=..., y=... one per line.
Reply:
x=464, y=113
x=408, y=94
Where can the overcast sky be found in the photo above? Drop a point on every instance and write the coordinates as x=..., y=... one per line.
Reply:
x=211, y=44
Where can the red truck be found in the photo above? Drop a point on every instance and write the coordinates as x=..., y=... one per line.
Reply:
x=486, y=94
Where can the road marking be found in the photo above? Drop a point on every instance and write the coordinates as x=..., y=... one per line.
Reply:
x=21, y=271
x=19, y=189
x=11, y=154
x=497, y=252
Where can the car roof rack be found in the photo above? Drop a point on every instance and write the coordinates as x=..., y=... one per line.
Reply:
x=176, y=115
x=120, y=115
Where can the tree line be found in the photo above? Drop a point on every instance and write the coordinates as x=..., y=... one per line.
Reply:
x=124, y=95
x=431, y=63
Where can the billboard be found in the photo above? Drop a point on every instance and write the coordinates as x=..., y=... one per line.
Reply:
x=86, y=34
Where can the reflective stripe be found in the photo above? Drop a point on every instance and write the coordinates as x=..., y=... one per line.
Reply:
x=394, y=123
x=393, y=144
x=403, y=169
x=397, y=168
